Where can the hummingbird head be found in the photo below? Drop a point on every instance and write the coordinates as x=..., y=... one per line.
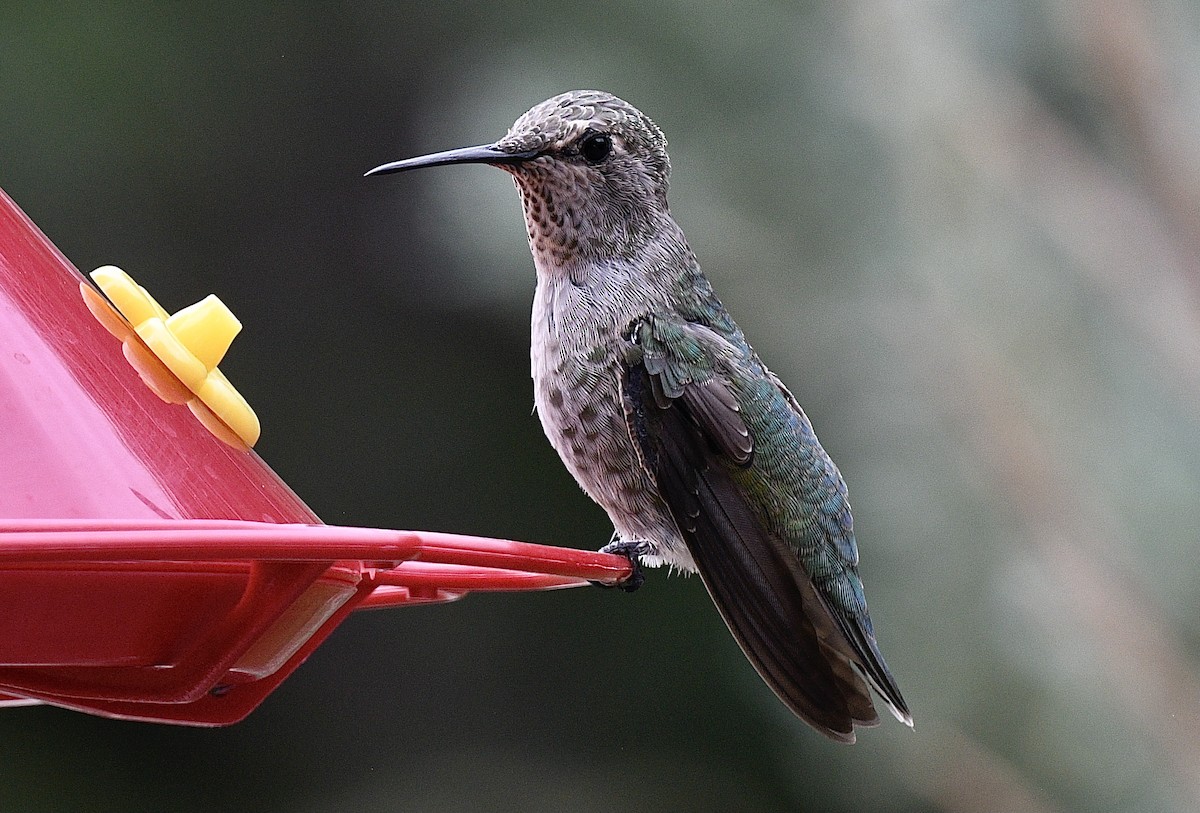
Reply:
x=592, y=171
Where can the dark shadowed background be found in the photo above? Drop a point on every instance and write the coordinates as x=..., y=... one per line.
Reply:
x=964, y=233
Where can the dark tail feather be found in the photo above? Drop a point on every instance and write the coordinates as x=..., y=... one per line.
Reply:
x=875, y=669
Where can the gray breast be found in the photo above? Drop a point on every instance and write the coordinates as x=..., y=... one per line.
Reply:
x=576, y=367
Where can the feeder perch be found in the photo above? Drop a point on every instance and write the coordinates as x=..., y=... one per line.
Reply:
x=152, y=566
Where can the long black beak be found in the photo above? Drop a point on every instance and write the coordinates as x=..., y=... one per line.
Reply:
x=483, y=154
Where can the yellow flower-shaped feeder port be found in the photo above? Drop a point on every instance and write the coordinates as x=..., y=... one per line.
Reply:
x=189, y=343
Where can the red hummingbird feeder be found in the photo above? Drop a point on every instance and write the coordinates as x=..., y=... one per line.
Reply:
x=152, y=566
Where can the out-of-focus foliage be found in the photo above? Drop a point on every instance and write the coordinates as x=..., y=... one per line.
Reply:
x=964, y=233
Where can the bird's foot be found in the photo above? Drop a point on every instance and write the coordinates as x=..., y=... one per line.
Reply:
x=632, y=550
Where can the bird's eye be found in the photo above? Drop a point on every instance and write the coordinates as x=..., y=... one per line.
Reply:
x=595, y=147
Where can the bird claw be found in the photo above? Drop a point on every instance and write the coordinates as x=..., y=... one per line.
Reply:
x=631, y=550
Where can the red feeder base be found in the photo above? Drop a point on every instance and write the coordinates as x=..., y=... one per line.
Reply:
x=150, y=570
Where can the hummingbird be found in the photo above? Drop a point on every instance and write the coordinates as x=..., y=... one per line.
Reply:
x=667, y=417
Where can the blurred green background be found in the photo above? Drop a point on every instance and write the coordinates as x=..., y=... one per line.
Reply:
x=966, y=235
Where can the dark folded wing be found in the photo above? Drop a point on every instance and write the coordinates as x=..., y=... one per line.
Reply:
x=692, y=444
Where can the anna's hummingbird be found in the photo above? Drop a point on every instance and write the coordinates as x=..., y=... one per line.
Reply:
x=667, y=417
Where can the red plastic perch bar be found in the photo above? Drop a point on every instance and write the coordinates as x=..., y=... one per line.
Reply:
x=406, y=558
